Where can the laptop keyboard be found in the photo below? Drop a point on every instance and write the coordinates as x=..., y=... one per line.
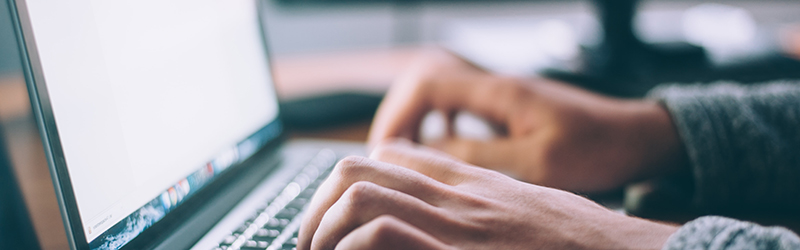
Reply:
x=275, y=225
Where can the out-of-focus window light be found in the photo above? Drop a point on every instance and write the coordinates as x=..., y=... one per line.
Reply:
x=722, y=30
x=516, y=47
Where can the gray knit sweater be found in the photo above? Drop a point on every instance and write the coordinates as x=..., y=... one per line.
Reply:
x=743, y=143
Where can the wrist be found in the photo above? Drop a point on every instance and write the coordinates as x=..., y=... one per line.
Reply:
x=639, y=233
x=658, y=146
x=618, y=231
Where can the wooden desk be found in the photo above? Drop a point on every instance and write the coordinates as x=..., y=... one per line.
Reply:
x=296, y=76
x=370, y=71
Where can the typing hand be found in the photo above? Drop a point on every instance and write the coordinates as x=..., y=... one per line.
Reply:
x=554, y=134
x=405, y=197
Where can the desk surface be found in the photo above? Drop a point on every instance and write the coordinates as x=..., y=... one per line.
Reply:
x=296, y=76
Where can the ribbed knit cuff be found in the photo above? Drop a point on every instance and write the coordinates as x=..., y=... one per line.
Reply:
x=717, y=233
x=700, y=125
x=742, y=141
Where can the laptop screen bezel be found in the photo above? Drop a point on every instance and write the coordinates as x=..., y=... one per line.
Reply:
x=42, y=110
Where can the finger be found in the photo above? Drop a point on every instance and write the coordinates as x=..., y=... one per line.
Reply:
x=404, y=107
x=365, y=201
x=390, y=233
x=498, y=154
x=354, y=169
x=429, y=162
x=470, y=89
x=407, y=102
x=401, y=111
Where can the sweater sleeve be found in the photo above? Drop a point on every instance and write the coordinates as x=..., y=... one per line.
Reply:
x=743, y=142
x=713, y=232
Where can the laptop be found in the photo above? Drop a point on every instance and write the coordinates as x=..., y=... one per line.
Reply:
x=161, y=125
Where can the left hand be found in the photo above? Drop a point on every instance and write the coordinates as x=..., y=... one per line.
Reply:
x=556, y=135
x=407, y=197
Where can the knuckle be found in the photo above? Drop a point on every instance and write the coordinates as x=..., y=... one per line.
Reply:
x=352, y=166
x=360, y=194
x=421, y=86
x=384, y=225
x=383, y=230
x=352, y=160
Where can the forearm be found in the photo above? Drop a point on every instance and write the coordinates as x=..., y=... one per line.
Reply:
x=742, y=142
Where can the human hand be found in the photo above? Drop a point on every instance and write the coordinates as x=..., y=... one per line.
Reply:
x=405, y=197
x=554, y=134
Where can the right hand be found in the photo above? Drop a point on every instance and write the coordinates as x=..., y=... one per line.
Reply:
x=411, y=197
x=555, y=135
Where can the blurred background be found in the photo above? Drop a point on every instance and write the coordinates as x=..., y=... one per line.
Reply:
x=334, y=59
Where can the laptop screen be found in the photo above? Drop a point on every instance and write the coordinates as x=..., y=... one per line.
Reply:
x=151, y=99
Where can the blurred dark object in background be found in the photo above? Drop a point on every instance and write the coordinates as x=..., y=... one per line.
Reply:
x=16, y=229
x=624, y=65
x=621, y=59
x=330, y=110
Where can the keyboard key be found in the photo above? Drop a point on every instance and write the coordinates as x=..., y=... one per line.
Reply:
x=264, y=239
x=241, y=228
x=288, y=246
x=266, y=235
x=254, y=248
x=250, y=243
x=287, y=213
x=229, y=239
x=300, y=191
x=275, y=223
x=255, y=244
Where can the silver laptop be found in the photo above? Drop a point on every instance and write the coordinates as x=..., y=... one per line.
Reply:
x=161, y=124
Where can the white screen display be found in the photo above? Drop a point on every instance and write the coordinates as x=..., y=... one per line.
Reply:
x=145, y=92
